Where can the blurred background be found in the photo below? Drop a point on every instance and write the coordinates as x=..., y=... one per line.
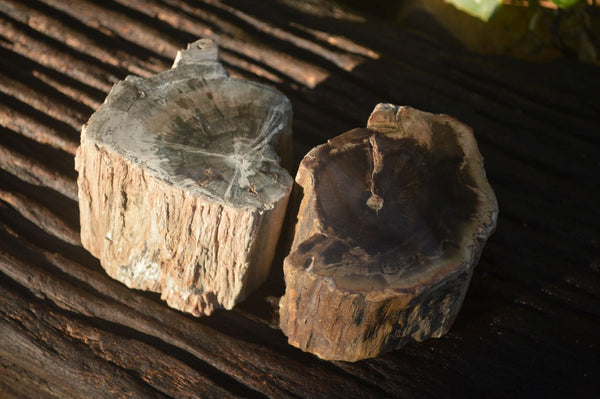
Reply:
x=535, y=30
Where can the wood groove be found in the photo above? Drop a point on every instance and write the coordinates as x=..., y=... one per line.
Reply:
x=41, y=52
x=23, y=118
x=33, y=172
x=78, y=37
x=42, y=98
x=567, y=106
x=87, y=97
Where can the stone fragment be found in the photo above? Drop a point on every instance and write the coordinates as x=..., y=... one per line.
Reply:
x=181, y=190
x=392, y=221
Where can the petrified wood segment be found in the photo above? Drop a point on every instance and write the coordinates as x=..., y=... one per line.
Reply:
x=392, y=221
x=181, y=190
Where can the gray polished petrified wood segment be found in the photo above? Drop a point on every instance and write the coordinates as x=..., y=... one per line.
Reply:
x=392, y=221
x=181, y=188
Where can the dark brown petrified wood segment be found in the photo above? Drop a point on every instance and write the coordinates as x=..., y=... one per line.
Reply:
x=392, y=221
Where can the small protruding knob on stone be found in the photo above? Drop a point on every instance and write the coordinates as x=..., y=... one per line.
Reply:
x=384, y=117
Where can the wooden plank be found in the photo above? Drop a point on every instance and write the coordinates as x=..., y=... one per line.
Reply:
x=65, y=351
x=529, y=323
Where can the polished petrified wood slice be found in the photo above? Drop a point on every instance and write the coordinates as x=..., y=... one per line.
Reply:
x=181, y=190
x=392, y=221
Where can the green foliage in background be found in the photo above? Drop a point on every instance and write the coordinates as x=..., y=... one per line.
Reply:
x=482, y=9
x=485, y=9
x=565, y=3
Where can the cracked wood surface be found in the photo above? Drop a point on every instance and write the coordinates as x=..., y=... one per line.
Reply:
x=181, y=185
x=529, y=322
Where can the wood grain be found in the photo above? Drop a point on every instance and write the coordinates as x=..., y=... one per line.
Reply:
x=391, y=224
x=182, y=188
x=529, y=322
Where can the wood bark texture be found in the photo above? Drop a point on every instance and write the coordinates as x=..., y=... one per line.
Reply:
x=392, y=221
x=529, y=323
x=180, y=187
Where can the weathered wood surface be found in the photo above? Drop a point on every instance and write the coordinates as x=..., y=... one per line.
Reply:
x=529, y=324
x=181, y=187
x=392, y=222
